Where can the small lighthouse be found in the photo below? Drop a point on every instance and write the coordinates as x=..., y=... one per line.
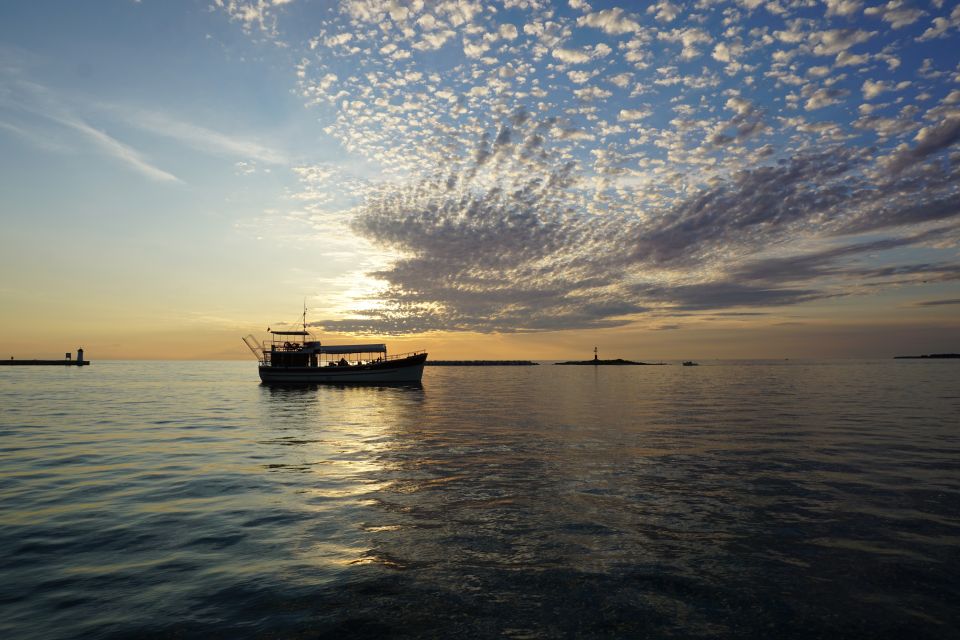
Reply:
x=595, y=359
x=80, y=355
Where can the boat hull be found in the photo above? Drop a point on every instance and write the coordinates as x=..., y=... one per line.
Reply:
x=405, y=370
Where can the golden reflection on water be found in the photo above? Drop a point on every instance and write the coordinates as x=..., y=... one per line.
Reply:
x=336, y=438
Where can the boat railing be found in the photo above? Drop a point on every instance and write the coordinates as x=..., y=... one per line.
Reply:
x=265, y=360
x=409, y=354
x=283, y=345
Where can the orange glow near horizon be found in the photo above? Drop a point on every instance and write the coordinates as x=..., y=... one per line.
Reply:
x=706, y=337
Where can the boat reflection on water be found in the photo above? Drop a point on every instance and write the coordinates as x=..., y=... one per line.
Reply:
x=328, y=408
x=327, y=445
x=307, y=386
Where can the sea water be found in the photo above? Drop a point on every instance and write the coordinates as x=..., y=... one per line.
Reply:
x=733, y=499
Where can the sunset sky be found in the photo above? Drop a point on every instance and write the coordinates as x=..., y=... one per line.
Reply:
x=516, y=179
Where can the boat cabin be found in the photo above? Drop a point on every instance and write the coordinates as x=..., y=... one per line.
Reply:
x=294, y=349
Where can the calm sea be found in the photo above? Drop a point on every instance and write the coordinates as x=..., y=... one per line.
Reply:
x=734, y=499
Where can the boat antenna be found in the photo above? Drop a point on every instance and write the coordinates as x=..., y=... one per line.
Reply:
x=304, y=315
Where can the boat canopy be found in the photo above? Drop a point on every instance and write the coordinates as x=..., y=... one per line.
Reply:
x=353, y=348
x=290, y=333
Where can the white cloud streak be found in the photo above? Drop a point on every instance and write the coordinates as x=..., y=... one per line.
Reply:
x=204, y=139
x=118, y=150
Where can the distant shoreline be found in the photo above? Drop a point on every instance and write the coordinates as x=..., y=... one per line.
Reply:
x=481, y=363
x=618, y=361
x=44, y=363
x=932, y=356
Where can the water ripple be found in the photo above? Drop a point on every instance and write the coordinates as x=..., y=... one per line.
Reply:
x=750, y=499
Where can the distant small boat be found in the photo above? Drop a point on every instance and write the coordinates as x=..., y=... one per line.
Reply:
x=690, y=363
x=291, y=357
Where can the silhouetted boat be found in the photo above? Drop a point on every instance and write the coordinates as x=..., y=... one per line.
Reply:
x=690, y=363
x=291, y=357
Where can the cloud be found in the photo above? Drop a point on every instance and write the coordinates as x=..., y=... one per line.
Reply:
x=338, y=39
x=831, y=262
x=258, y=15
x=727, y=52
x=872, y=89
x=118, y=150
x=824, y=97
x=629, y=115
x=833, y=41
x=510, y=257
x=621, y=80
x=941, y=26
x=613, y=21
x=938, y=303
x=204, y=139
x=690, y=38
x=42, y=107
x=585, y=168
x=929, y=140
x=572, y=56
x=747, y=122
x=712, y=296
x=664, y=11
x=843, y=7
x=592, y=93
x=40, y=139
x=43, y=103
x=897, y=13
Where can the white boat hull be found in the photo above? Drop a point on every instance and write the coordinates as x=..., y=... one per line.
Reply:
x=406, y=370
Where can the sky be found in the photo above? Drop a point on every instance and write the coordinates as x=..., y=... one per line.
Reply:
x=515, y=179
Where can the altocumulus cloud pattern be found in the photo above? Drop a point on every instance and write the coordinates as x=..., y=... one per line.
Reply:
x=551, y=166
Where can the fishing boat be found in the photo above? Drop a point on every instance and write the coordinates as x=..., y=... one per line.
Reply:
x=295, y=356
